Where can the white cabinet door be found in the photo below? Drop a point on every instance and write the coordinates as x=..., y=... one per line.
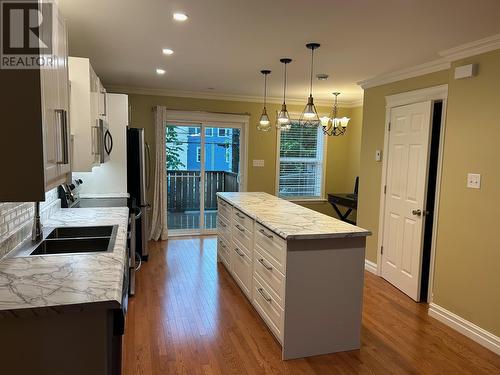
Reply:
x=55, y=110
x=48, y=78
x=408, y=157
x=63, y=98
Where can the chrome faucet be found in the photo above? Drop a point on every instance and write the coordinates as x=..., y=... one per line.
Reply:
x=36, y=232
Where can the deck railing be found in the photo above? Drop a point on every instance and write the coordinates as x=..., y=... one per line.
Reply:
x=183, y=189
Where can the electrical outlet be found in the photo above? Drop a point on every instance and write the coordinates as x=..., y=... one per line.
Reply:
x=378, y=155
x=473, y=180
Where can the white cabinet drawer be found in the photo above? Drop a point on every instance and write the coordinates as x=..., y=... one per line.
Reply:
x=275, y=280
x=241, y=267
x=267, y=307
x=224, y=228
x=243, y=220
x=224, y=209
x=271, y=246
x=242, y=234
x=223, y=252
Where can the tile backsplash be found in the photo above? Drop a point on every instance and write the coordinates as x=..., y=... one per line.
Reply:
x=16, y=220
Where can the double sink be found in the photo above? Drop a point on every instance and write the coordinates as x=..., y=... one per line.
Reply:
x=71, y=240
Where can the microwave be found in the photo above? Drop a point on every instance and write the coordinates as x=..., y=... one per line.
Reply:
x=105, y=141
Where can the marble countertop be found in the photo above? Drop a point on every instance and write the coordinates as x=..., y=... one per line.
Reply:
x=58, y=281
x=289, y=220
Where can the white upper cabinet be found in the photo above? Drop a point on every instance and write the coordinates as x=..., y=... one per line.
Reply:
x=88, y=107
x=34, y=105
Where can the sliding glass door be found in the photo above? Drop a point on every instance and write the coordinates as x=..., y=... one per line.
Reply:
x=202, y=159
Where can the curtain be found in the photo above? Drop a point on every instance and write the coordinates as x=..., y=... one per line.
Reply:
x=159, y=230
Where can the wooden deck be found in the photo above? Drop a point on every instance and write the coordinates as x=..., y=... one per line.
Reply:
x=189, y=317
x=190, y=220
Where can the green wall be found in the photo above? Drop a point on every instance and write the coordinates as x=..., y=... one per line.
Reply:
x=342, y=162
x=466, y=276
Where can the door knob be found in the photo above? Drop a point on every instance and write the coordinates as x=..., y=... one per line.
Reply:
x=417, y=212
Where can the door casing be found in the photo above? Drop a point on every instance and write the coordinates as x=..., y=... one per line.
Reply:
x=392, y=101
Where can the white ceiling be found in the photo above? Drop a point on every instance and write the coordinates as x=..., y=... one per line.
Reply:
x=225, y=43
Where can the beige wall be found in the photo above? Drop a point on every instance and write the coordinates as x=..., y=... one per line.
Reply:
x=342, y=163
x=467, y=265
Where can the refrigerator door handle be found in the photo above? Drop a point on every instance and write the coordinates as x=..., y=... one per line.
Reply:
x=148, y=166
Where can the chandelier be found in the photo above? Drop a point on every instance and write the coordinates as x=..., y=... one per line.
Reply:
x=332, y=124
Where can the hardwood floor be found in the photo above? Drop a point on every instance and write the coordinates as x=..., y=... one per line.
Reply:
x=189, y=317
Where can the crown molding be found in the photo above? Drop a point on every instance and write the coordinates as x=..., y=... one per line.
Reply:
x=477, y=47
x=462, y=51
x=221, y=96
x=402, y=74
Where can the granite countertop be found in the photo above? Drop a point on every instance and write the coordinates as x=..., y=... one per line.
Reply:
x=58, y=281
x=289, y=220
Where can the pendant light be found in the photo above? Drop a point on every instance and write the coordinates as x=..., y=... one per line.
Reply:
x=264, y=123
x=283, y=118
x=333, y=125
x=309, y=117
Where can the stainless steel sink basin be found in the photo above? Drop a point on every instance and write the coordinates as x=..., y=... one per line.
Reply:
x=72, y=245
x=70, y=240
x=81, y=232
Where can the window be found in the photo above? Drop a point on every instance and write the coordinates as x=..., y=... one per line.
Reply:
x=194, y=131
x=198, y=154
x=222, y=132
x=301, y=163
x=209, y=132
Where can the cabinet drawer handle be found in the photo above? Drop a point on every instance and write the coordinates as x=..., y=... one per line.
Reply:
x=263, y=262
x=222, y=203
x=221, y=223
x=240, y=215
x=222, y=245
x=261, y=291
x=265, y=234
x=239, y=252
x=240, y=228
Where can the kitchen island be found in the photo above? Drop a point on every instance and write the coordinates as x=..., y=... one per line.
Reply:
x=300, y=269
x=61, y=314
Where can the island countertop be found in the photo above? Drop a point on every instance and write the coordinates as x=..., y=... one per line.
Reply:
x=58, y=281
x=289, y=220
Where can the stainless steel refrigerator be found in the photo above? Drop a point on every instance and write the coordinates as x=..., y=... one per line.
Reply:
x=138, y=181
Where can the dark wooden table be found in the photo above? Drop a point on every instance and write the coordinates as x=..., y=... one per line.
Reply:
x=349, y=200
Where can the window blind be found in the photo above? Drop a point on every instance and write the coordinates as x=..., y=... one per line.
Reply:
x=301, y=162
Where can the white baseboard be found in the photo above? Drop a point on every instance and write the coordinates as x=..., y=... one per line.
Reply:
x=370, y=266
x=472, y=331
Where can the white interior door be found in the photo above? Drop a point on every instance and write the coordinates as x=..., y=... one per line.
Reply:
x=407, y=169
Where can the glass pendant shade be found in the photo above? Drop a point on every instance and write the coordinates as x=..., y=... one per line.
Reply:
x=283, y=119
x=264, y=122
x=264, y=118
x=309, y=117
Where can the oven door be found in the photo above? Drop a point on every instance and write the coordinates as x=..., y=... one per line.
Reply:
x=105, y=141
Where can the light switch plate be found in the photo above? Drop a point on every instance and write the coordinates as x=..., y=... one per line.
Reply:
x=378, y=155
x=258, y=163
x=473, y=180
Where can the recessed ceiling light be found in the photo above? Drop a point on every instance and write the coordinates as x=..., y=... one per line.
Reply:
x=167, y=51
x=322, y=77
x=160, y=71
x=179, y=16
